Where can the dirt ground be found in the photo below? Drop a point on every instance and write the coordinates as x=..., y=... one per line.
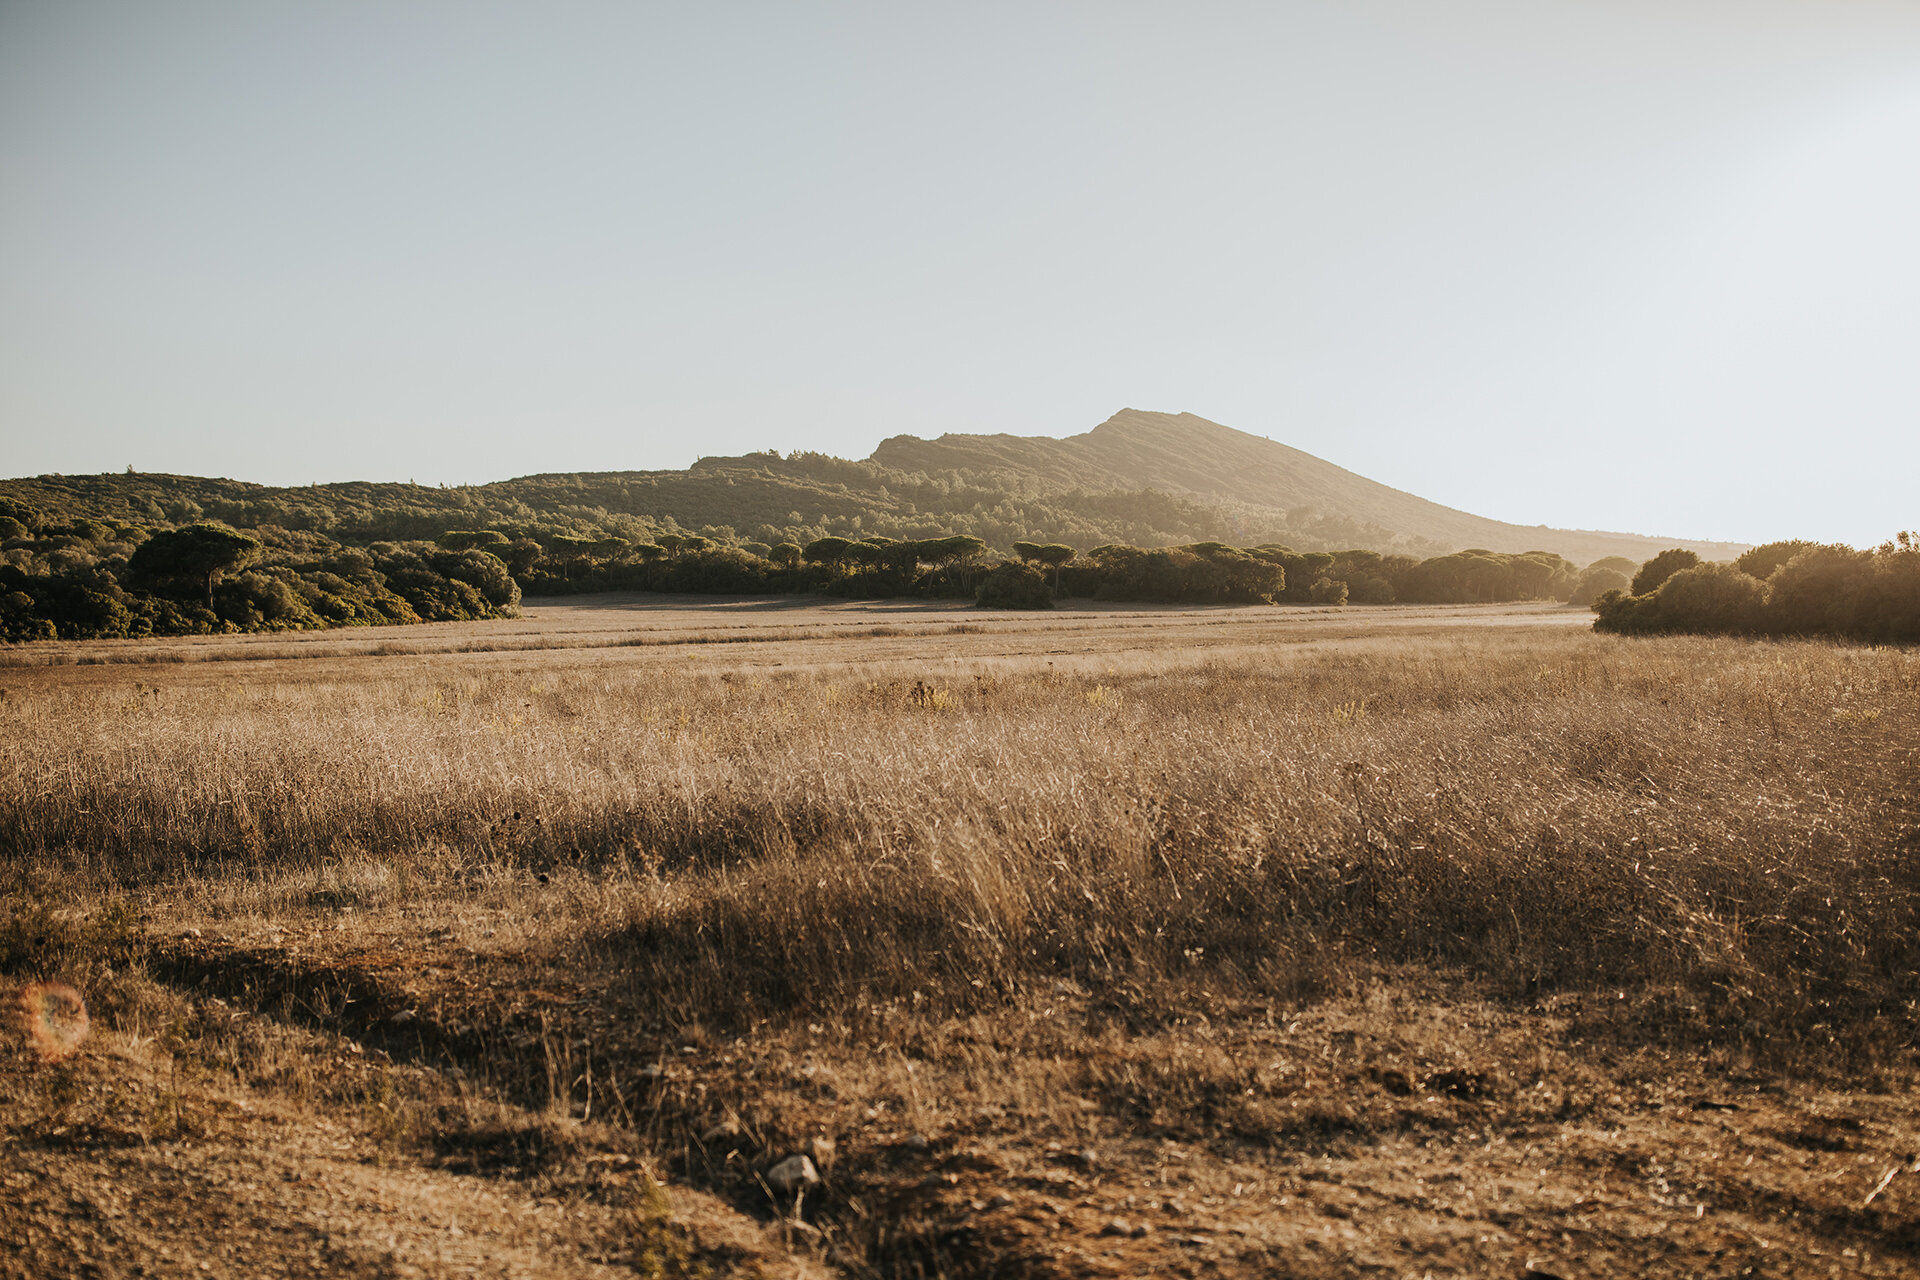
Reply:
x=1405, y=1130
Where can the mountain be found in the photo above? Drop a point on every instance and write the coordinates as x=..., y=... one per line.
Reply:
x=1189, y=456
x=1144, y=479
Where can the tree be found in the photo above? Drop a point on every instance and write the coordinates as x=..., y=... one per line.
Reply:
x=957, y=553
x=1761, y=561
x=785, y=554
x=198, y=552
x=473, y=539
x=1596, y=582
x=1015, y=585
x=1661, y=567
x=1053, y=556
x=830, y=551
x=1327, y=591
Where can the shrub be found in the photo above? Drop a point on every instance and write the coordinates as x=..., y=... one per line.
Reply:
x=1328, y=591
x=1761, y=561
x=1594, y=583
x=1660, y=568
x=1016, y=585
x=1710, y=598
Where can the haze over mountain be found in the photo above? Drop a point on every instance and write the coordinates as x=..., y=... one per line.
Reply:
x=1185, y=454
x=1145, y=479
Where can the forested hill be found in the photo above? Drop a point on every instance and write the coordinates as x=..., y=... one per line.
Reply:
x=1189, y=456
x=1142, y=479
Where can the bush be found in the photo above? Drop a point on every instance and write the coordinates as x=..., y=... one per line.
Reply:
x=1712, y=598
x=1016, y=585
x=1761, y=561
x=1660, y=568
x=1594, y=583
x=1328, y=591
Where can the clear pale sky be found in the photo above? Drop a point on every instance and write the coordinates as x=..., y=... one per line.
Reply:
x=1650, y=266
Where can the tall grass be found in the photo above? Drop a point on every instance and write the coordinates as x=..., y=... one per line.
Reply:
x=1734, y=822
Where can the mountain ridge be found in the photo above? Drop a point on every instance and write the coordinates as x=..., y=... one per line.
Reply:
x=1141, y=478
x=1188, y=455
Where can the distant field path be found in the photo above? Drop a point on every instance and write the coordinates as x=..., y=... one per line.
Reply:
x=807, y=631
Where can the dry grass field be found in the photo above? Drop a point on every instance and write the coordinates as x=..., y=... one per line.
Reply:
x=1232, y=942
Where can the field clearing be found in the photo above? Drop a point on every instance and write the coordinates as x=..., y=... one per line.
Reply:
x=807, y=630
x=1111, y=941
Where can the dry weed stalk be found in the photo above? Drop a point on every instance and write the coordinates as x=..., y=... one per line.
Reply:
x=1733, y=822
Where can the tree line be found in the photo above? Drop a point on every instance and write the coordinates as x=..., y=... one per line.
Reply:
x=85, y=579
x=1791, y=588
x=80, y=577
x=1034, y=574
x=755, y=502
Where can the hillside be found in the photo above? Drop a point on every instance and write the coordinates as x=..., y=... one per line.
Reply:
x=1189, y=456
x=1142, y=479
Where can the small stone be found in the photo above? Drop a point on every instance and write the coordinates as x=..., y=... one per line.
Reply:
x=822, y=1149
x=1140, y=1229
x=791, y=1175
x=1001, y=1201
x=1088, y=1158
x=726, y=1131
x=1117, y=1227
x=404, y=1016
x=917, y=1142
x=1396, y=1083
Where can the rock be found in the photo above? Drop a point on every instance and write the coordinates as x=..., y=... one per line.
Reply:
x=1141, y=1229
x=1087, y=1158
x=1001, y=1201
x=822, y=1149
x=1396, y=1083
x=917, y=1142
x=792, y=1174
x=404, y=1016
x=1117, y=1227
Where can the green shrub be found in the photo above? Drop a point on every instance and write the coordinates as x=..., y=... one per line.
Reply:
x=1016, y=585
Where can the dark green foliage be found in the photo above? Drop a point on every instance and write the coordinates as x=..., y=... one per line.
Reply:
x=93, y=580
x=196, y=555
x=19, y=513
x=829, y=551
x=469, y=539
x=1596, y=582
x=1660, y=568
x=1328, y=591
x=1761, y=561
x=1016, y=585
x=1203, y=573
x=1481, y=576
x=1707, y=598
x=1821, y=590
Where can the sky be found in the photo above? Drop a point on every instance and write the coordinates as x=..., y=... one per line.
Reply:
x=1635, y=265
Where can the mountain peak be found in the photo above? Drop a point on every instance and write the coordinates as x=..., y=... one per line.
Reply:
x=1188, y=456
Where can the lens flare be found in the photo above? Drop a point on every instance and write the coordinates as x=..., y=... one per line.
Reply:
x=56, y=1019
